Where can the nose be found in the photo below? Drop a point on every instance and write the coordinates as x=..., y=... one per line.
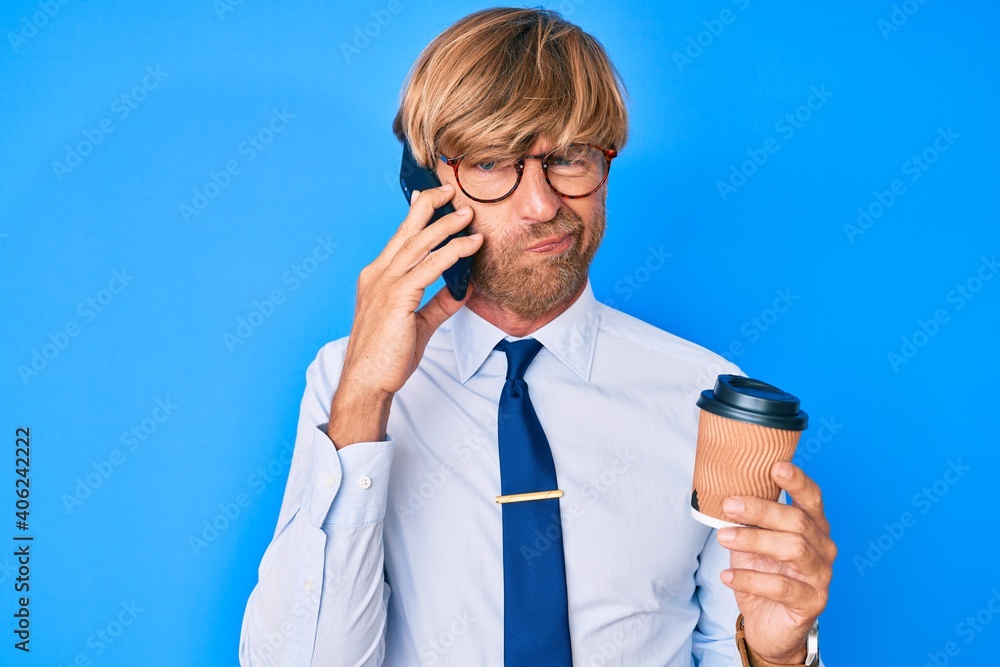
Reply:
x=534, y=199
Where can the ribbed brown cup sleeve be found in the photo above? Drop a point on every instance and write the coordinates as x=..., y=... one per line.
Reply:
x=734, y=458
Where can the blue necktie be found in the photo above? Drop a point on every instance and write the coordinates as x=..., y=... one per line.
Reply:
x=536, y=622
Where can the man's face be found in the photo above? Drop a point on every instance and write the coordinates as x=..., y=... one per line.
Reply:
x=505, y=271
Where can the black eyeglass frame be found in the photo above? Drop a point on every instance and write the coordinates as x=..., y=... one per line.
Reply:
x=609, y=155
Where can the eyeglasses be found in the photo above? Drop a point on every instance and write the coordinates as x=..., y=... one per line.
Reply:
x=574, y=172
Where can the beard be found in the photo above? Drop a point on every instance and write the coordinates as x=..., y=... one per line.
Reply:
x=515, y=280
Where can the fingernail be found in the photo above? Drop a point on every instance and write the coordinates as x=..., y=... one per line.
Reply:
x=733, y=505
x=413, y=196
x=463, y=210
x=476, y=236
x=727, y=576
x=447, y=187
x=783, y=470
x=727, y=534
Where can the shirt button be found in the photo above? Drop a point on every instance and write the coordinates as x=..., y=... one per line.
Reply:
x=308, y=585
x=328, y=480
x=365, y=482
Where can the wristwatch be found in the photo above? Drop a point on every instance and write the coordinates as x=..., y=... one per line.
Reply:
x=751, y=659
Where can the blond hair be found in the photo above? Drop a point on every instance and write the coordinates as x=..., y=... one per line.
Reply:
x=500, y=78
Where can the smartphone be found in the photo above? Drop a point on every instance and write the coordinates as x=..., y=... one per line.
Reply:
x=413, y=176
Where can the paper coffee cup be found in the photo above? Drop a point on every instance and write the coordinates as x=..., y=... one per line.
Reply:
x=745, y=426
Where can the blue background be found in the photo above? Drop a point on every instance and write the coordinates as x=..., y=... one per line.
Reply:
x=123, y=529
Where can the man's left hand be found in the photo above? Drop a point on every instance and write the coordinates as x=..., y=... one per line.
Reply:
x=780, y=564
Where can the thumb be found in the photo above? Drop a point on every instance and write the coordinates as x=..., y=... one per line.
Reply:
x=433, y=313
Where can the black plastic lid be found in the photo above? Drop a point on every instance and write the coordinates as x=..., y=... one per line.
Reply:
x=753, y=401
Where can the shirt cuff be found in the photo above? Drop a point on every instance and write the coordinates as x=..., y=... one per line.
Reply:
x=349, y=486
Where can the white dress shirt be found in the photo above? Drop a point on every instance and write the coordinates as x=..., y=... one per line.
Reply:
x=390, y=553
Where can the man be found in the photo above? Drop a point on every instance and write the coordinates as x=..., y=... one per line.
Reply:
x=404, y=537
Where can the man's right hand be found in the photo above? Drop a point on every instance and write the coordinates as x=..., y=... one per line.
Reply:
x=389, y=333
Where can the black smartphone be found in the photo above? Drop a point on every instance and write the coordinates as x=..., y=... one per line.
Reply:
x=413, y=176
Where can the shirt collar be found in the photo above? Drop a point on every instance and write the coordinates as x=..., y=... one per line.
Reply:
x=571, y=336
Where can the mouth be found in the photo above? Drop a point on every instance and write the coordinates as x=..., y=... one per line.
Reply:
x=552, y=244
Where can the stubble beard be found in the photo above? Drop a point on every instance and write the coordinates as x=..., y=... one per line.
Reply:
x=517, y=281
